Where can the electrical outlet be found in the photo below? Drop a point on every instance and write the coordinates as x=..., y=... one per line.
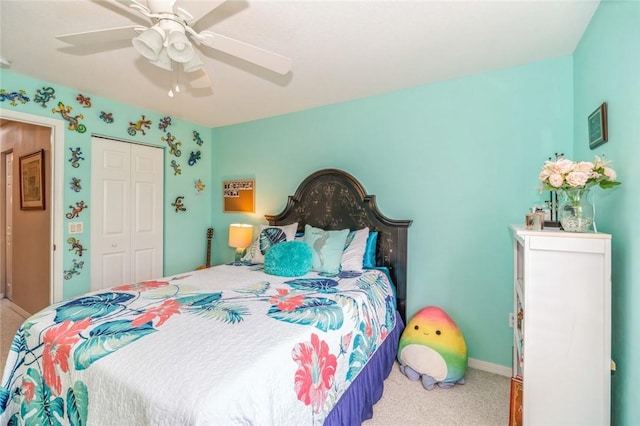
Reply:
x=511, y=319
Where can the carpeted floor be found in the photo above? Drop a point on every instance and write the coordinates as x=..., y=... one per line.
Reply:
x=10, y=321
x=482, y=401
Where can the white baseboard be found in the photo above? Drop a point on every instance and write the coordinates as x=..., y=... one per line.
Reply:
x=490, y=367
x=18, y=309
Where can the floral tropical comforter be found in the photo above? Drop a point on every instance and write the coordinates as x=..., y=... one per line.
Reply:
x=221, y=346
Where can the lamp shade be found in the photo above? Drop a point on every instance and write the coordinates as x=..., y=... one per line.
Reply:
x=194, y=64
x=163, y=61
x=148, y=43
x=179, y=47
x=240, y=235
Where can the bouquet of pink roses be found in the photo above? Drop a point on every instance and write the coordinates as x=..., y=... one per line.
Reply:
x=563, y=174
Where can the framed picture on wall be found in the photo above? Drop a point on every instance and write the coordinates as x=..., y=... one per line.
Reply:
x=515, y=406
x=239, y=196
x=598, y=126
x=32, y=181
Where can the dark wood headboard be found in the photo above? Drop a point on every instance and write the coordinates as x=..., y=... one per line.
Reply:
x=333, y=199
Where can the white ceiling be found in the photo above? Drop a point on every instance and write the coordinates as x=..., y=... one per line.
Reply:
x=341, y=50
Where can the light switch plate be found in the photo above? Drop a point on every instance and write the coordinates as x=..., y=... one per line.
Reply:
x=76, y=227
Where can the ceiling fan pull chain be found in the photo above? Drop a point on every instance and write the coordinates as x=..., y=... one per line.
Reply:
x=171, y=81
x=174, y=84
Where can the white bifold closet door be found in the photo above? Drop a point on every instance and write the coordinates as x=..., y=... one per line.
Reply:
x=126, y=213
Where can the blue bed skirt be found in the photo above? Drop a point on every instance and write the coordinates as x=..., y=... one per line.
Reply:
x=356, y=404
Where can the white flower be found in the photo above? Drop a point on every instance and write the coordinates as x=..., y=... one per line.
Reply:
x=556, y=180
x=578, y=178
x=610, y=173
x=563, y=166
x=599, y=163
x=584, y=166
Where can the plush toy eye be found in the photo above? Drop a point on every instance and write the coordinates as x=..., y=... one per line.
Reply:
x=416, y=327
x=438, y=332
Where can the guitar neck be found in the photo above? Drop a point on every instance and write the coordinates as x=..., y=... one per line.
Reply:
x=208, y=263
x=209, y=238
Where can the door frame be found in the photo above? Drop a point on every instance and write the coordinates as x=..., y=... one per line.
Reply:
x=57, y=174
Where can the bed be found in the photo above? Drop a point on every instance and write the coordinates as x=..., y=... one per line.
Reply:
x=228, y=344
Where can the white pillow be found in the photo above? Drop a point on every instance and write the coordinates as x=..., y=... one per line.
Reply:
x=355, y=246
x=267, y=237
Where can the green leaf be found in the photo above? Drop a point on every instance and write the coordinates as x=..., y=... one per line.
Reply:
x=257, y=288
x=108, y=338
x=323, y=285
x=324, y=314
x=374, y=287
x=350, y=305
x=77, y=404
x=222, y=311
x=4, y=398
x=359, y=356
x=606, y=184
x=199, y=299
x=43, y=409
x=95, y=306
x=18, y=344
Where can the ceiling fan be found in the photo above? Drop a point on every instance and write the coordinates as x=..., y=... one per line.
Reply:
x=169, y=41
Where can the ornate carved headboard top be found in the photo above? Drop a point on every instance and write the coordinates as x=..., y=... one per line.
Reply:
x=333, y=199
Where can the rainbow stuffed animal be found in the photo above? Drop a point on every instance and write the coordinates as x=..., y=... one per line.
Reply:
x=433, y=349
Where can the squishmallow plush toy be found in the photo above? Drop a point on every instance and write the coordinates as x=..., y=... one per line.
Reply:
x=432, y=349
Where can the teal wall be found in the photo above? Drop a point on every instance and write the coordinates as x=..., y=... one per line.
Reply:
x=185, y=232
x=460, y=158
x=607, y=68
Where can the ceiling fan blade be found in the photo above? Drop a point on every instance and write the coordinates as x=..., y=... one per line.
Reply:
x=199, y=79
x=256, y=55
x=200, y=9
x=123, y=7
x=99, y=36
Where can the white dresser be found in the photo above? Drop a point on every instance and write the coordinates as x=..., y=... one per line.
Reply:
x=562, y=331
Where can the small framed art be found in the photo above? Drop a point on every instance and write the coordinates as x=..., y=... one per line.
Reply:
x=239, y=196
x=515, y=407
x=32, y=181
x=598, y=126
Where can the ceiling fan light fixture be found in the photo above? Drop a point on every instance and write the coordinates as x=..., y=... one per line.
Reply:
x=163, y=61
x=179, y=47
x=193, y=65
x=149, y=43
x=4, y=62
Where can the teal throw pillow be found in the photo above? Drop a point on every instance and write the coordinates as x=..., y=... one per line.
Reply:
x=369, y=260
x=326, y=248
x=288, y=259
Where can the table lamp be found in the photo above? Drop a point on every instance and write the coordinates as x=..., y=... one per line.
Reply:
x=240, y=236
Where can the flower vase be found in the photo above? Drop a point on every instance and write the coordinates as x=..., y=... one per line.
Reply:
x=575, y=211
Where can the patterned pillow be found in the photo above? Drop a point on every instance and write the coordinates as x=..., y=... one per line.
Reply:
x=353, y=254
x=326, y=247
x=288, y=259
x=267, y=238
